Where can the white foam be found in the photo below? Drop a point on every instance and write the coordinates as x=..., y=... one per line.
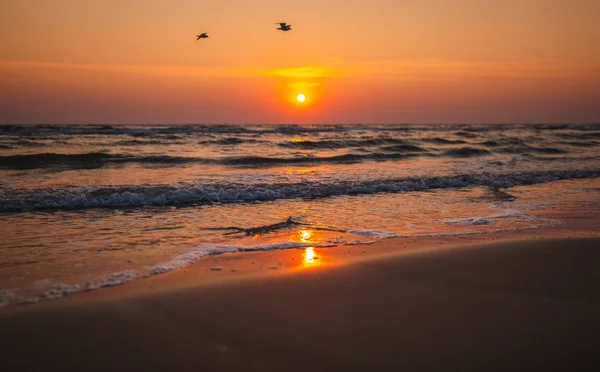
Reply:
x=470, y=221
x=380, y=234
x=59, y=290
x=113, y=280
x=488, y=220
x=7, y=296
x=508, y=213
x=358, y=242
x=56, y=291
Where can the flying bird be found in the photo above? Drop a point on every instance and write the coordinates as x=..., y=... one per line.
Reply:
x=283, y=26
x=202, y=36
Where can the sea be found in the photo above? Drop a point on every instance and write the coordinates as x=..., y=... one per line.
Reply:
x=90, y=206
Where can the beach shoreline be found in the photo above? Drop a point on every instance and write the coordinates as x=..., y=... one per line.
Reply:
x=505, y=301
x=568, y=222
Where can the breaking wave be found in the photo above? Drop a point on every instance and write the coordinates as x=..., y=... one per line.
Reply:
x=84, y=197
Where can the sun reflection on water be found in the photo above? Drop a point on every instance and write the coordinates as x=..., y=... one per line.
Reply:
x=309, y=256
x=305, y=235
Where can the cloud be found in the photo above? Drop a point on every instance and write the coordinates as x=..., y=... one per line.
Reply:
x=304, y=72
x=407, y=70
x=194, y=71
x=436, y=69
x=427, y=70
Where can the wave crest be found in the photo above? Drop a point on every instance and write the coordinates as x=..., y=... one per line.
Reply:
x=84, y=197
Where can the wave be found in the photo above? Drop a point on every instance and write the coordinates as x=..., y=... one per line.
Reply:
x=504, y=142
x=463, y=130
x=580, y=143
x=340, y=144
x=468, y=133
x=85, y=197
x=525, y=149
x=569, y=159
x=229, y=141
x=259, y=161
x=133, y=130
x=136, y=142
x=443, y=141
x=580, y=136
x=184, y=129
x=379, y=234
x=46, y=160
x=466, y=152
x=94, y=160
x=85, y=161
x=490, y=143
x=60, y=290
x=27, y=143
x=403, y=148
x=488, y=220
x=590, y=135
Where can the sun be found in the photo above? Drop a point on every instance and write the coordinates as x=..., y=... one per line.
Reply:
x=300, y=98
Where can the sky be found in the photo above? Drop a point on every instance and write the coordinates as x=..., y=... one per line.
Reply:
x=375, y=61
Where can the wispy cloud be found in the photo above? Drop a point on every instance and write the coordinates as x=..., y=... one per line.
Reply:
x=434, y=69
x=331, y=68
x=303, y=72
x=428, y=69
x=197, y=71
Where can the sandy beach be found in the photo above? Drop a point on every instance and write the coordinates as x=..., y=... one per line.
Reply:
x=507, y=305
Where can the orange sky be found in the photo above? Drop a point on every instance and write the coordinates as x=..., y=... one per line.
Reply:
x=377, y=61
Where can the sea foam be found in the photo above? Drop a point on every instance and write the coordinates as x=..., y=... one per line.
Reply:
x=85, y=197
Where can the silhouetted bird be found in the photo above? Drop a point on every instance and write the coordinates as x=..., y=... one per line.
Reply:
x=202, y=36
x=283, y=26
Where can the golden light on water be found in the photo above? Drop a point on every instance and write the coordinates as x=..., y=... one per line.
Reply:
x=305, y=235
x=309, y=256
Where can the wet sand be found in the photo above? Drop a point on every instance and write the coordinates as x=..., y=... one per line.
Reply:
x=508, y=305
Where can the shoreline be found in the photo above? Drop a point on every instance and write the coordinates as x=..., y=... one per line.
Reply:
x=516, y=300
x=104, y=270
x=503, y=305
x=237, y=266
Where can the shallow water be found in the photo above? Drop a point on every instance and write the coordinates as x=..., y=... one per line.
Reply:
x=78, y=203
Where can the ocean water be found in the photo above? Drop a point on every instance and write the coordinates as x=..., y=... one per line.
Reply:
x=84, y=206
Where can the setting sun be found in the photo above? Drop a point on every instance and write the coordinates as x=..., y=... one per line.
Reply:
x=300, y=98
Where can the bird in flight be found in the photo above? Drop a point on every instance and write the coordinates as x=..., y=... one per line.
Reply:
x=203, y=35
x=283, y=26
